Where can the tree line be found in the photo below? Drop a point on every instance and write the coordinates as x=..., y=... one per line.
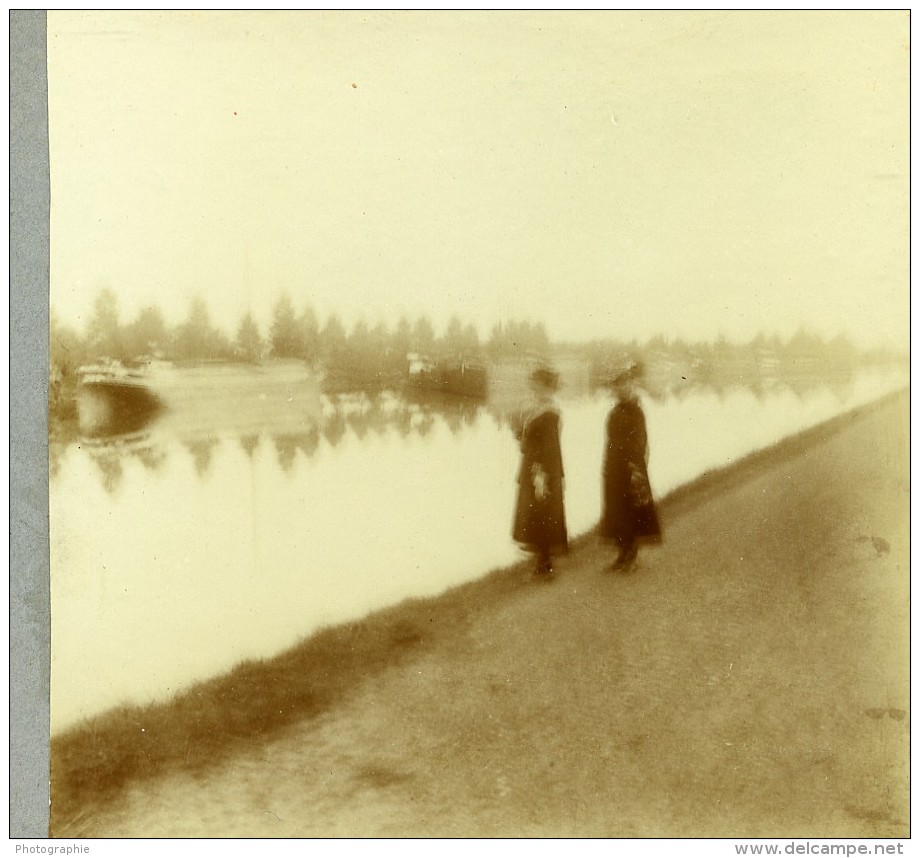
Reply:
x=363, y=353
x=369, y=357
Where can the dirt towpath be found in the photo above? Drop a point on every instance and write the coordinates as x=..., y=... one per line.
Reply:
x=750, y=679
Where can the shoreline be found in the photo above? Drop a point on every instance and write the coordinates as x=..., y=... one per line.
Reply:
x=258, y=700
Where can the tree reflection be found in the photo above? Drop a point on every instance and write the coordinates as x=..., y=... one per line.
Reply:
x=109, y=463
x=109, y=456
x=358, y=423
x=369, y=414
x=424, y=425
x=285, y=450
x=334, y=429
x=803, y=386
x=308, y=441
x=379, y=417
x=842, y=386
x=372, y=416
x=454, y=421
x=402, y=420
x=202, y=451
x=287, y=444
x=249, y=442
x=152, y=457
x=457, y=412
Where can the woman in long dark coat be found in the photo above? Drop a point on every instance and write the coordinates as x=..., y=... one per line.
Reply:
x=539, y=519
x=629, y=515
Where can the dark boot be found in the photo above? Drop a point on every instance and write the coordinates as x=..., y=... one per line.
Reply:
x=625, y=559
x=544, y=567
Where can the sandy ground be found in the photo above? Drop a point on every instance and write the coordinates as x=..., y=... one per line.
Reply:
x=750, y=679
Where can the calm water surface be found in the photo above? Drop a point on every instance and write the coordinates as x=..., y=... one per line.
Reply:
x=210, y=539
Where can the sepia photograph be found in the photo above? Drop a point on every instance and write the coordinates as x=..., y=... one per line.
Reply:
x=479, y=424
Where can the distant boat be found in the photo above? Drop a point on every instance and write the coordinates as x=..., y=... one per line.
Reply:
x=461, y=377
x=114, y=400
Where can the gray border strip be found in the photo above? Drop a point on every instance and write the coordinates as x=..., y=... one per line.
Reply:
x=29, y=583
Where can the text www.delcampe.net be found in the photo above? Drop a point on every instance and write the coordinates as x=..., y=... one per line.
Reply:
x=807, y=848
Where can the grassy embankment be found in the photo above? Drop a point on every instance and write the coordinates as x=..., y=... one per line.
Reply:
x=93, y=761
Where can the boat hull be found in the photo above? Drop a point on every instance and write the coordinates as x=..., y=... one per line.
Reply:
x=470, y=382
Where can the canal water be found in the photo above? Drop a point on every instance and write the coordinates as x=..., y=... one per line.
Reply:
x=213, y=537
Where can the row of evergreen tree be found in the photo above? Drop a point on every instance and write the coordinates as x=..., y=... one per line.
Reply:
x=292, y=334
x=367, y=356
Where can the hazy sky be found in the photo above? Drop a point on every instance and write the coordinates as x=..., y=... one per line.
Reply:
x=607, y=173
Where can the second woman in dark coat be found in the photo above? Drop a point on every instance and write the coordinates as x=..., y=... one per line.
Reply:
x=629, y=515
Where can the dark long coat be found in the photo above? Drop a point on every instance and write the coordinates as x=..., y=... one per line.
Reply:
x=629, y=510
x=539, y=524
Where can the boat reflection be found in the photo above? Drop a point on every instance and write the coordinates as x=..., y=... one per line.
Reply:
x=114, y=400
x=292, y=433
x=299, y=422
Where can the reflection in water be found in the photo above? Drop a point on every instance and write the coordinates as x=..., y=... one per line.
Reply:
x=358, y=415
x=268, y=527
x=415, y=412
x=249, y=442
x=110, y=456
x=288, y=445
x=152, y=458
x=202, y=450
x=334, y=428
x=286, y=450
x=308, y=442
x=110, y=468
x=358, y=425
x=424, y=425
x=840, y=383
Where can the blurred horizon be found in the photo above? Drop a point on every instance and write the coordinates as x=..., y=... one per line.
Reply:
x=107, y=319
